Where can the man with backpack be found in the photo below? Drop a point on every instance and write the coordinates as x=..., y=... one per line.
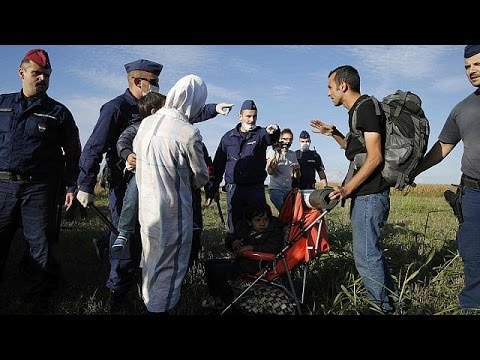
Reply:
x=310, y=164
x=463, y=123
x=364, y=184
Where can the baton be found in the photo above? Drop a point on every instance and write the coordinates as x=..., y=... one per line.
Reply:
x=221, y=214
x=102, y=217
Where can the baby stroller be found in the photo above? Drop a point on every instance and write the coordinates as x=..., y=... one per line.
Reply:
x=271, y=290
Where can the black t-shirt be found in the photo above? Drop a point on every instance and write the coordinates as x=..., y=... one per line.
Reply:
x=367, y=121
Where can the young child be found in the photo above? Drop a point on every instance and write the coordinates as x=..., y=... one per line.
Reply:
x=257, y=231
x=147, y=105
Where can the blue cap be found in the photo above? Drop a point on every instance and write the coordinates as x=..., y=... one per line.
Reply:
x=304, y=135
x=471, y=50
x=144, y=65
x=248, y=105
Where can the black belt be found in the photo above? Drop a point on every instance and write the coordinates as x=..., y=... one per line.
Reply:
x=470, y=182
x=8, y=175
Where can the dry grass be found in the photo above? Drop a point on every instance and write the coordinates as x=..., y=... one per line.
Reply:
x=419, y=243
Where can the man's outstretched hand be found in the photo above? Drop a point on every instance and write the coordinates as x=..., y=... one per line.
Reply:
x=321, y=128
x=223, y=108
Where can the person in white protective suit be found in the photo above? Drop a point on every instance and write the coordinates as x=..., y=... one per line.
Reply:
x=169, y=162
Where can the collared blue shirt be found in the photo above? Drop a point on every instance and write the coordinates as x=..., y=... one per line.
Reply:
x=113, y=119
x=34, y=133
x=242, y=156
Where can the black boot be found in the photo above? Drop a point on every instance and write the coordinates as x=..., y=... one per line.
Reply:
x=158, y=314
x=119, y=304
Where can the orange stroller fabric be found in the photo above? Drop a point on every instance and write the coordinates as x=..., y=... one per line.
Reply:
x=301, y=233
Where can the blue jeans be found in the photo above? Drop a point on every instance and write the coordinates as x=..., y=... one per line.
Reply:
x=124, y=261
x=468, y=240
x=369, y=213
x=277, y=196
x=129, y=214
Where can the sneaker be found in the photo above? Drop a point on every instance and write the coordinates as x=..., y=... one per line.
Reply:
x=213, y=302
x=120, y=242
x=468, y=311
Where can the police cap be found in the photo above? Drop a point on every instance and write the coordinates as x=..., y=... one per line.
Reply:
x=471, y=50
x=144, y=65
x=304, y=135
x=248, y=105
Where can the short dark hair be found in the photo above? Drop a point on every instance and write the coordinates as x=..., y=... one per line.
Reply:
x=149, y=102
x=347, y=74
x=258, y=208
x=286, y=131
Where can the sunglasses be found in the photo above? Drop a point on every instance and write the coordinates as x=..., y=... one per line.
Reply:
x=153, y=82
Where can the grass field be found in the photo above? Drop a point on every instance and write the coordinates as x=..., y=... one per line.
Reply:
x=419, y=243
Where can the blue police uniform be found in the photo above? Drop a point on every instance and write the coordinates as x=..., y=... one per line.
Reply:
x=33, y=133
x=310, y=163
x=242, y=158
x=114, y=118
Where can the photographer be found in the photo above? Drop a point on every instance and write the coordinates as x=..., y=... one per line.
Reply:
x=282, y=166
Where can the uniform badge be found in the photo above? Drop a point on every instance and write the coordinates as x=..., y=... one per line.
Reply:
x=42, y=127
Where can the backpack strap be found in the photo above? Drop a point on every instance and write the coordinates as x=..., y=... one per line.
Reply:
x=400, y=99
x=356, y=163
x=422, y=131
x=354, y=131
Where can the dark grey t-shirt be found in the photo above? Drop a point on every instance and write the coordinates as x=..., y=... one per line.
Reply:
x=463, y=123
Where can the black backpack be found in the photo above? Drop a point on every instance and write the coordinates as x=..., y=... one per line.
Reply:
x=407, y=131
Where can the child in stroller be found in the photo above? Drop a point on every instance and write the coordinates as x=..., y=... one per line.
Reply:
x=258, y=231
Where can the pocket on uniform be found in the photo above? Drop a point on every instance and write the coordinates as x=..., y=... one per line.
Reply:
x=42, y=127
x=6, y=120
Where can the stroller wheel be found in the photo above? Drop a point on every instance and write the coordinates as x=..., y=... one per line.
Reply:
x=266, y=300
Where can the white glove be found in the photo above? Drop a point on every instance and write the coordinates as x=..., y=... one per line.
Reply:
x=129, y=167
x=272, y=128
x=85, y=198
x=223, y=108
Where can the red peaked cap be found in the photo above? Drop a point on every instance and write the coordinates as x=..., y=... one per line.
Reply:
x=39, y=57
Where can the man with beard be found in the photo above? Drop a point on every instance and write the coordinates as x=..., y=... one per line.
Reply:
x=463, y=124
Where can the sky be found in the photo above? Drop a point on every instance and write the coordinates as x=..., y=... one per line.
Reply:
x=287, y=82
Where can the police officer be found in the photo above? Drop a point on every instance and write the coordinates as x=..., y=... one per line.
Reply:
x=463, y=124
x=310, y=164
x=241, y=156
x=34, y=131
x=142, y=77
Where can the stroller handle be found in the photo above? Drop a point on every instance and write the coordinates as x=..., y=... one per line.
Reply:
x=319, y=199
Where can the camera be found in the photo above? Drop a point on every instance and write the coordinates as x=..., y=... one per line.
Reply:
x=279, y=145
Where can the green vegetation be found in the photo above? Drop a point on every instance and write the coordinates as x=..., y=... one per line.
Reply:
x=419, y=243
